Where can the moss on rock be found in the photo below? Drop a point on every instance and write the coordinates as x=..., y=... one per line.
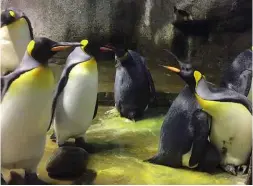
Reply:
x=122, y=145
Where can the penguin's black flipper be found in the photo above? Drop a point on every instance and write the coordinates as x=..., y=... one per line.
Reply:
x=60, y=86
x=150, y=80
x=28, y=63
x=96, y=109
x=8, y=79
x=200, y=121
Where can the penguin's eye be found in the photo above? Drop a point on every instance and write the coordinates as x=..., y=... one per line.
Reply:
x=12, y=13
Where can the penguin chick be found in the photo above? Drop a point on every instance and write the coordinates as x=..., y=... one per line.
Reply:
x=184, y=134
x=134, y=88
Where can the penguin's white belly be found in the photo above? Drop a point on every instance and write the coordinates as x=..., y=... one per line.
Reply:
x=25, y=115
x=232, y=130
x=76, y=104
x=14, y=39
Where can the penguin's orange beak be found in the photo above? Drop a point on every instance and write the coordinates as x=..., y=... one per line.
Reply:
x=105, y=49
x=108, y=47
x=60, y=46
x=173, y=69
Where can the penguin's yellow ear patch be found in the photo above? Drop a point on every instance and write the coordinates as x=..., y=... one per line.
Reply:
x=251, y=47
x=30, y=47
x=197, y=76
x=12, y=13
x=84, y=43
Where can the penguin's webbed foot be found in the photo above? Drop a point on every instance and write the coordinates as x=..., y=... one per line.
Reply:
x=231, y=169
x=155, y=160
x=80, y=142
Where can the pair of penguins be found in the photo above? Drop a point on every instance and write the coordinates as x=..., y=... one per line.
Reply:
x=27, y=87
x=207, y=127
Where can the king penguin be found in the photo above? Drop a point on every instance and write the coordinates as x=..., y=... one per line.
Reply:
x=238, y=76
x=231, y=112
x=15, y=34
x=134, y=88
x=184, y=133
x=26, y=101
x=75, y=101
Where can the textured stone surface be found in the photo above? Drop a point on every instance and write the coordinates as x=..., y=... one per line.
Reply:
x=145, y=25
x=67, y=162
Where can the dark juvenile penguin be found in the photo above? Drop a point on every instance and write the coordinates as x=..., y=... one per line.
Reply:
x=134, y=88
x=75, y=101
x=184, y=133
x=231, y=129
x=238, y=76
x=26, y=101
x=15, y=34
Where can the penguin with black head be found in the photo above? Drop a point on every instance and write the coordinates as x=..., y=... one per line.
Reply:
x=15, y=34
x=184, y=133
x=26, y=101
x=75, y=101
x=134, y=88
x=231, y=112
x=238, y=75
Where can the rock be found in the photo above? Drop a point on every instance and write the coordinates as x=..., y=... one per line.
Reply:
x=67, y=162
x=146, y=26
x=86, y=179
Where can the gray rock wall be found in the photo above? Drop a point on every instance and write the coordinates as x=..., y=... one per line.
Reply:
x=145, y=25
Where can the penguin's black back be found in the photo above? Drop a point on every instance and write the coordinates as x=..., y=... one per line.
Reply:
x=177, y=131
x=131, y=88
x=238, y=75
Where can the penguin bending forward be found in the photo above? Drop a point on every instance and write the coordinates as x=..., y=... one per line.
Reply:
x=231, y=129
x=134, y=88
x=238, y=76
x=15, y=34
x=184, y=134
x=75, y=101
x=26, y=101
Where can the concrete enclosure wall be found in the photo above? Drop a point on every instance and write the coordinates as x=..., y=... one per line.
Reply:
x=146, y=26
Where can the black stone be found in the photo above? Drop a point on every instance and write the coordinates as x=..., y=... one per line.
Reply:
x=67, y=162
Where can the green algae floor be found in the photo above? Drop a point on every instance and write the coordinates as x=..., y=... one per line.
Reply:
x=122, y=145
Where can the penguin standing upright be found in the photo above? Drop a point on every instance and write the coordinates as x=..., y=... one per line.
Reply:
x=26, y=101
x=238, y=75
x=15, y=34
x=75, y=101
x=231, y=129
x=134, y=87
x=184, y=134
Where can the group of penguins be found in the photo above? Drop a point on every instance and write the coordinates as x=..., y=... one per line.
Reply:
x=205, y=127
